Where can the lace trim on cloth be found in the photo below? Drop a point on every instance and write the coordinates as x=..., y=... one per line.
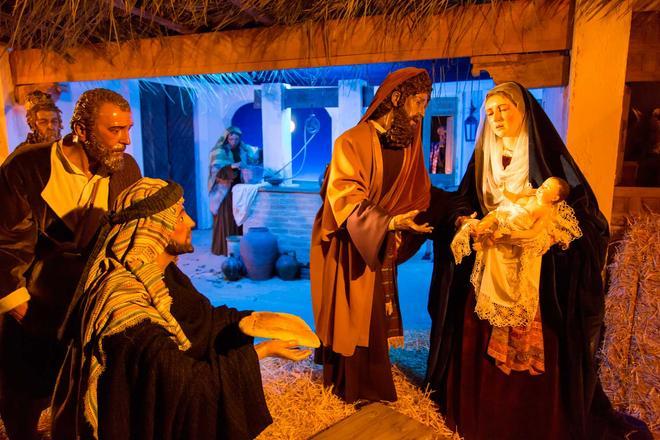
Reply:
x=519, y=270
x=460, y=244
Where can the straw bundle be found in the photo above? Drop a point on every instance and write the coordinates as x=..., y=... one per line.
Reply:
x=630, y=360
x=62, y=24
x=301, y=406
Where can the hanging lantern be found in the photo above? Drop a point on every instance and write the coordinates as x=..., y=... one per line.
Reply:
x=470, y=125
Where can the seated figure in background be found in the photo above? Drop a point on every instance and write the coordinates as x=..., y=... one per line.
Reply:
x=149, y=356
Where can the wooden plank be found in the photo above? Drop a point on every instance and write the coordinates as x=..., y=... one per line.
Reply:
x=6, y=100
x=623, y=135
x=377, y=421
x=644, y=49
x=474, y=30
x=548, y=69
x=630, y=201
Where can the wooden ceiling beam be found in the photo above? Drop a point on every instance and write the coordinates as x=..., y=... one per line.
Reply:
x=142, y=13
x=532, y=70
x=513, y=27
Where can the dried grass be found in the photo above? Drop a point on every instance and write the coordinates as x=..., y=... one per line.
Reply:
x=630, y=358
x=62, y=24
x=301, y=406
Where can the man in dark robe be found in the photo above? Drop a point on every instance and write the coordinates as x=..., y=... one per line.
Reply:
x=149, y=357
x=52, y=196
x=43, y=117
x=375, y=187
x=566, y=400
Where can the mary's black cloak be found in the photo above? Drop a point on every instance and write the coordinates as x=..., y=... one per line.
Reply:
x=571, y=289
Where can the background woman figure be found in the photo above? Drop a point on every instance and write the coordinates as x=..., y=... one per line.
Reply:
x=229, y=155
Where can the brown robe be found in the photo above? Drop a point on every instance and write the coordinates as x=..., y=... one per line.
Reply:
x=351, y=226
x=224, y=224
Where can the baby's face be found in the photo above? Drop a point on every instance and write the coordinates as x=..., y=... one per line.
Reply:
x=548, y=192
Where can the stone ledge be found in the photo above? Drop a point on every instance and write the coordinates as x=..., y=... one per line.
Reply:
x=304, y=188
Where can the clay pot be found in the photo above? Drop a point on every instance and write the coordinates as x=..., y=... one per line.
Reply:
x=234, y=245
x=232, y=268
x=259, y=252
x=287, y=266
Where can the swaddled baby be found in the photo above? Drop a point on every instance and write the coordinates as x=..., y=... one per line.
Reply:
x=510, y=242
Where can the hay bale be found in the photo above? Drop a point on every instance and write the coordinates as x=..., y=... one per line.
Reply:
x=629, y=357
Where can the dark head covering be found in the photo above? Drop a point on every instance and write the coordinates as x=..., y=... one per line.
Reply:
x=389, y=84
x=571, y=289
x=416, y=185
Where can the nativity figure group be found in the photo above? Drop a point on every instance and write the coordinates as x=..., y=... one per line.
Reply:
x=99, y=323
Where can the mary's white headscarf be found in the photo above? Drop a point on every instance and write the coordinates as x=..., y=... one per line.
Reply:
x=495, y=177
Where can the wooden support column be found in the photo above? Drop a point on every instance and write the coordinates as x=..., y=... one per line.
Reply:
x=595, y=97
x=6, y=100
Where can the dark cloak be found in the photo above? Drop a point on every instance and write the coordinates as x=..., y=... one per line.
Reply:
x=571, y=289
x=152, y=390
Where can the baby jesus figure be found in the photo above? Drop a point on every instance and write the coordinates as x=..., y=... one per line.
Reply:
x=510, y=242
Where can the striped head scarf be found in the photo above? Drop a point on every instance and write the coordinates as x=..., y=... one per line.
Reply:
x=123, y=285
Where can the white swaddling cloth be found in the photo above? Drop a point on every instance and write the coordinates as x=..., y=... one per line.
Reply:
x=506, y=277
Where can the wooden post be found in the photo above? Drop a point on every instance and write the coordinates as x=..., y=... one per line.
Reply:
x=6, y=90
x=595, y=97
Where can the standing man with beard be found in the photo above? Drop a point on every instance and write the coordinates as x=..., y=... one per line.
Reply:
x=52, y=195
x=43, y=118
x=375, y=187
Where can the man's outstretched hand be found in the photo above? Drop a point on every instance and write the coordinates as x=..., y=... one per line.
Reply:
x=406, y=222
x=281, y=349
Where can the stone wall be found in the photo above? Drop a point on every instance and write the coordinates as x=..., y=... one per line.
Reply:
x=289, y=215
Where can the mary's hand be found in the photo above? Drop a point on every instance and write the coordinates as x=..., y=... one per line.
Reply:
x=463, y=218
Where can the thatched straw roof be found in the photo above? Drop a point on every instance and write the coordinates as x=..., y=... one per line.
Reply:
x=61, y=24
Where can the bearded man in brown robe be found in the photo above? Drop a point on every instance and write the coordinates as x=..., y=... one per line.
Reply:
x=375, y=187
x=43, y=117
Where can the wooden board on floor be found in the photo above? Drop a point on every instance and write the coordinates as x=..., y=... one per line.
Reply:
x=377, y=421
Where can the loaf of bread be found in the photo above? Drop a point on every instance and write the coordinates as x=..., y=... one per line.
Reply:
x=283, y=326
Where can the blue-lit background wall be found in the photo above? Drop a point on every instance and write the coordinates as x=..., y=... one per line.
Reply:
x=231, y=99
